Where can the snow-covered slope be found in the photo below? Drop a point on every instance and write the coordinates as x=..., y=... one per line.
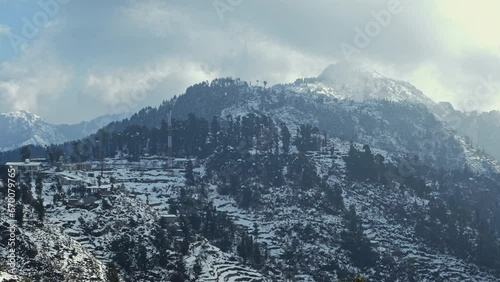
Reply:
x=360, y=83
x=75, y=242
x=6, y=277
x=217, y=266
x=21, y=128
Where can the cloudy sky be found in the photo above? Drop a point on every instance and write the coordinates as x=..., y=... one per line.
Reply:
x=72, y=60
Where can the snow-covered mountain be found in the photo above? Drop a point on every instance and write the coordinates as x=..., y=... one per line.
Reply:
x=482, y=129
x=360, y=83
x=21, y=128
x=347, y=102
x=397, y=122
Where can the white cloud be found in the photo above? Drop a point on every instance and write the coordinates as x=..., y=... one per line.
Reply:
x=31, y=87
x=33, y=80
x=441, y=47
x=131, y=89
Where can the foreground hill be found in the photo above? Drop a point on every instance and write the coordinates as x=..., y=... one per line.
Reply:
x=261, y=204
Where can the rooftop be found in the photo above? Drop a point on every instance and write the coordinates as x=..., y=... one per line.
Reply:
x=104, y=186
x=23, y=164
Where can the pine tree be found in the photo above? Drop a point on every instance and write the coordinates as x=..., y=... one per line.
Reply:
x=26, y=195
x=40, y=208
x=54, y=153
x=305, y=140
x=76, y=152
x=487, y=250
x=242, y=247
x=354, y=241
x=179, y=274
x=256, y=255
x=285, y=138
x=38, y=186
x=197, y=268
x=215, y=128
x=189, y=175
x=368, y=164
x=255, y=231
x=142, y=258
x=112, y=273
x=121, y=248
x=19, y=215
x=25, y=153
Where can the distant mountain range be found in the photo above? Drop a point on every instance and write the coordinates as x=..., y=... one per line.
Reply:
x=482, y=129
x=21, y=128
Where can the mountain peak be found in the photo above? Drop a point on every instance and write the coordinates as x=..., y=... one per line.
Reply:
x=356, y=82
x=22, y=127
x=22, y=114
x=345, y=71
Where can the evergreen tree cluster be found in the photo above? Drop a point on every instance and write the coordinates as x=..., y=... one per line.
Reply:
x=250, y=251
x=307, y=138
x=356, y=242
x=363, y=165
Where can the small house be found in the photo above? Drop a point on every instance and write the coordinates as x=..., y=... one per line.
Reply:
x=76, y=166
x=65, y=179
x=103, y=189
x=168, y=218
x=26, y=167
x=72, y=202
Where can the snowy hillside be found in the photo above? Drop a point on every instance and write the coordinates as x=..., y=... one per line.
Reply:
x=301, y=227
x=395, y=126
x=76, y=242
x=302, y=182
x=256, y=209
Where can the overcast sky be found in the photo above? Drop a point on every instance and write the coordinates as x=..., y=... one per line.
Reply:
x=93, y=57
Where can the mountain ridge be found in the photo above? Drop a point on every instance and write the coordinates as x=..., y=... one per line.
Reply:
x=22, y=127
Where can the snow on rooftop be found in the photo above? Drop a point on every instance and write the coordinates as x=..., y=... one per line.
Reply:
x=23, y=164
